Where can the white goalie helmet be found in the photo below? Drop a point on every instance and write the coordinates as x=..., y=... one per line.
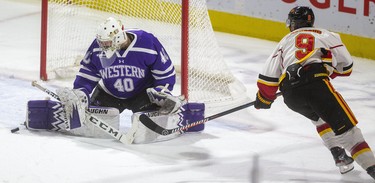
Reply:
x=110, y=36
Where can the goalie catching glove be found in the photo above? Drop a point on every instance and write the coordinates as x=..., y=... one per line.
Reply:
x=75, y=104
x=162, y=97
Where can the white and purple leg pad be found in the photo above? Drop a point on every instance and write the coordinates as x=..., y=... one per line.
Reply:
x=188, y=113
x=46, y=114
x=50, y=115
x=192, y=112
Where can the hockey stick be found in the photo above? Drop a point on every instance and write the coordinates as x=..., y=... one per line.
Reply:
x=145, y=120
x=113, y=132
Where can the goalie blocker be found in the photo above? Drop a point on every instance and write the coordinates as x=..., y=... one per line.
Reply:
x=49, y=115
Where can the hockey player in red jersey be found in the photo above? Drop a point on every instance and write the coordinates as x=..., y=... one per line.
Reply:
x=301, y=67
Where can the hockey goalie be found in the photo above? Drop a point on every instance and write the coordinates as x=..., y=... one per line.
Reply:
x=123, y=69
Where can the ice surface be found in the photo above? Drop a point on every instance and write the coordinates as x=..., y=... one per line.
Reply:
x=266, y=146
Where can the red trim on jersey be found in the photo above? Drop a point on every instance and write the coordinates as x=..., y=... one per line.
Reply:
x=268, y=92
x=336, y=46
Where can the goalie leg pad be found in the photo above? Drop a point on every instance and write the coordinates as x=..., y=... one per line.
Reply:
x=50, y=115
x=192, y=112
x=141, y=134
x=108, y=114
x=187, y=114
x=45, y=115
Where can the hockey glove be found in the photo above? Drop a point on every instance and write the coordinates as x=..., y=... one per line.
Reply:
x=75, y=104
x=261, y=102
x=162, y=97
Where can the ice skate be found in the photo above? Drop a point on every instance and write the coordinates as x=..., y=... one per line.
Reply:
x=371, y=171
x=342, y=160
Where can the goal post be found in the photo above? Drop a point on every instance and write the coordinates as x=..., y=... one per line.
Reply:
x=185, y=48
x=182, y=26
x=43, y=44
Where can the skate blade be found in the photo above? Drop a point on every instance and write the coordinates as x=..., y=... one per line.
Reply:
x=346, y=168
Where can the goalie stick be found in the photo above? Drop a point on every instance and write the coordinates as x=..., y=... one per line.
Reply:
x=113, y=132
x=145, y=120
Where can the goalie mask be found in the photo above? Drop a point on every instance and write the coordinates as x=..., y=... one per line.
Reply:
x=110, y=36
x=300, y=16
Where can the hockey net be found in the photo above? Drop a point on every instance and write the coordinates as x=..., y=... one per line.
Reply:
x=71, y=26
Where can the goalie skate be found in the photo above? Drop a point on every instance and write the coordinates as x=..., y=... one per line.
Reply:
x=342, y=160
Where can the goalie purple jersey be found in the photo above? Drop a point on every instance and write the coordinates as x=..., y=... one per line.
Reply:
x=144, y=64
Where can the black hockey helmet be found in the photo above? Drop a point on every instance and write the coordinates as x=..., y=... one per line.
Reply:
x=300, y=16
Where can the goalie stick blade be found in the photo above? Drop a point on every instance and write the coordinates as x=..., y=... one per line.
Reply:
x=150, y=124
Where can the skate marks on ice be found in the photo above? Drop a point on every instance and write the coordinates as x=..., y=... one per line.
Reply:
x=126, y=162
x=169, y=152
x=178, y=160
x=242, y=121
x=14, y=95
x=291, y=164
x=193, y=155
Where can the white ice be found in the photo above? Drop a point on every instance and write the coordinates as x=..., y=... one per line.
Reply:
x=266, y=146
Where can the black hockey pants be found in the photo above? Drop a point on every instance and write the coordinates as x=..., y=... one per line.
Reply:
x=316, y=98
x=141, y=102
